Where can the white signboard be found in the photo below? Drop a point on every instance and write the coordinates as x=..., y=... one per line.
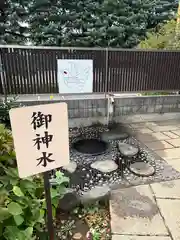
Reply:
x=75, y=76
x=41, y=137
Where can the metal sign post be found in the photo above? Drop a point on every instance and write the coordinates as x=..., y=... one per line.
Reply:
x=49, y=219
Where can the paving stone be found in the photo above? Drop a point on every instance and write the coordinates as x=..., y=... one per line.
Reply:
x=175, y=163
x=142, y=169
x=159, y=136
x=164, y=128
x=145, y=137
x=170, y=134
x=144, y=130
x=151, y=137
x=151, y=124
x=71, y=167
x=158, y=145
x=138, y=125
x=143, y=125
x=168, y=122
x=128, y=150
x=125, y=237
x=105, y=166
x=174, y=142
x=170, y=211
x=95, y=194
x=177, y=132
x=170, y=189
x=113, y=135
x=169, y=154
x=134, y=211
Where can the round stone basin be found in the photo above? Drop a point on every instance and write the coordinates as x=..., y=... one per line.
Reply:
x=91, y=146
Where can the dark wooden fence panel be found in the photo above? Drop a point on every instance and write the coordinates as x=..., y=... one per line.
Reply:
x=1, y=88
x=34, y=70
x=1, y=75
x=31, y=71
x=143, y=71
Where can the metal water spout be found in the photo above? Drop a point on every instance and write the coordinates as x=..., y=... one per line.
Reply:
x=110, y=109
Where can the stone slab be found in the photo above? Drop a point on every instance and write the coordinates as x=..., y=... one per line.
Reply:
x=177, y=132
x=127, y=150
x=142, y=169
x=143, y=125
x=152, y=137
x=95, y=194
x=158, y=145
x=105, y=166
x=175, y=163
x=125, y=237
x=138, y=125
x=164, y=128
x=134, y=211
x=144, y=130
x=170, y=134
x=174, y=142
x=71, y=167
x=170, y=189
x=170, y=211
x=169, y=122
x=114, y=134
x=168, y=154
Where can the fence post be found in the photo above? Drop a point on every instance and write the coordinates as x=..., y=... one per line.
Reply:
x=2, y=80
x=106, y=76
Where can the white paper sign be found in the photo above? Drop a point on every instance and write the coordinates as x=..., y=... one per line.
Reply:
x=75, y=76
x=41, y=137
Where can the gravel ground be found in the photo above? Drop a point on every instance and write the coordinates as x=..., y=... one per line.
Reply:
x=85, y=178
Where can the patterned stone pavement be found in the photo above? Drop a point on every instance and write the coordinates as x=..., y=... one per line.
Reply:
x=150, y=212
x=161, y=137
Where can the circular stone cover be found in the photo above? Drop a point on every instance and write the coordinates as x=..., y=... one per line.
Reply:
x=91, y=146
x=128, y=150
x=142, y=169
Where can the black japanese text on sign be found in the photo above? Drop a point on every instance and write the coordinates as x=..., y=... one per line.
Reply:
x=42, y=141
x=38, y=120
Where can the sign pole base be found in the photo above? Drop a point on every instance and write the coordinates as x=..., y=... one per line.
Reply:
x=50, y=225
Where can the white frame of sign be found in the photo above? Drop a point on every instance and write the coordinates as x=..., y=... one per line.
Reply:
x=75, y=76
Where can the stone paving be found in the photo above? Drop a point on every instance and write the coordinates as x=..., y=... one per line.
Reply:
x=150, y=212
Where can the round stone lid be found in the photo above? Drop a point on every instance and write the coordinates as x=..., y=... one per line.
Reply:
x=142, y=169
x=128, y=150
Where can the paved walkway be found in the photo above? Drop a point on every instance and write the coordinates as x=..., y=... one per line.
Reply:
x=150, y=212
x=163, y=138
